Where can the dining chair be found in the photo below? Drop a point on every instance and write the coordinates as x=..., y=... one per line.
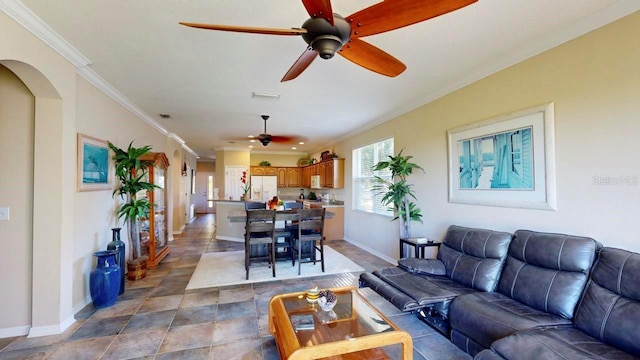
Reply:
x=311, y=231
x=254, y=205
x=287, y=233
x=260, y=231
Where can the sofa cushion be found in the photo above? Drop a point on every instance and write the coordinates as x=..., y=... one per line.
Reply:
x=398, y=298
x=610, y=309
x=547, y=271
x=424, y=289
x=422, y=266
x=553, y=344
x=474, y=257
x=486, y=317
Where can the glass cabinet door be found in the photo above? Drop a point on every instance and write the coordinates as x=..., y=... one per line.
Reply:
x=160, y=210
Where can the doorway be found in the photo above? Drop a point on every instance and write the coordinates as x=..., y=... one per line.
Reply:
x=205, y=185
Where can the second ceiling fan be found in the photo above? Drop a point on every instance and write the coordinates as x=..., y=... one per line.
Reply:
x=327, y=33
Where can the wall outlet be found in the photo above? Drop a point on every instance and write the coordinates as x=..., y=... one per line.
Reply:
x=4, y=213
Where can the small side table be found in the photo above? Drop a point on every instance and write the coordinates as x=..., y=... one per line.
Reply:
x=418, y=243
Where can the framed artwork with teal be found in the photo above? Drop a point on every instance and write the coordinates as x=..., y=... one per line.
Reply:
x=94, y=164
x=506, y=161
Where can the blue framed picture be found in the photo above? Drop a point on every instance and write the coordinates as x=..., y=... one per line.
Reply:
x=506, y=161
x=94, y=164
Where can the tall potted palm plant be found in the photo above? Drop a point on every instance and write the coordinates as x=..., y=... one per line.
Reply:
x=131, y=172
x=398, y=194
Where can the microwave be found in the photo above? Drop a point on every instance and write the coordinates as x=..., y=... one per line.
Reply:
x=315, y=181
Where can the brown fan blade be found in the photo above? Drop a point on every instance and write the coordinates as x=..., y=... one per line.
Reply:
x=246, y=29
x=301, y=64
x=283, y=139
x=320, y=9
x=370, y=57
x=389, y=15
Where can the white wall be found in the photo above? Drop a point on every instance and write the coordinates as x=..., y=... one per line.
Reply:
x=594, y=82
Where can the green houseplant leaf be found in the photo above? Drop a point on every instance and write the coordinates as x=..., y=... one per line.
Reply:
x=398, y=194
x=131, y=172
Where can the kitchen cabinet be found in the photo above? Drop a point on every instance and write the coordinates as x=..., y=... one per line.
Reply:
x=282, y=177
x=293, y=177
x=331, y=174
x=334, y=174
x=288, y=176
x=321, y=171
x=333, y=227
x=264, y=171
x=306, y=177
x=153, y=229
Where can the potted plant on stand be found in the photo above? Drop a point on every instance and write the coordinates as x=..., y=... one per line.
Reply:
x=131, y=172
x=398, y=194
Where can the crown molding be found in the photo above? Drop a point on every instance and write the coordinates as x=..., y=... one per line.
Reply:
x=25, y=17
x=95, y=79
x=605, y=16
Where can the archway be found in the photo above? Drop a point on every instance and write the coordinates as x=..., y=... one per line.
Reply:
x=51, y=280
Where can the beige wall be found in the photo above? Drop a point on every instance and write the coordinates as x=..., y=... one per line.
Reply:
x=275, y=159
x=206, y=166
x=594, y=83
x=56, y=238
x=226, y=158
x=17, y=121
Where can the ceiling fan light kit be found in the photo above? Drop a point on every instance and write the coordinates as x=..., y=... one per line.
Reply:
x=325, y=38
x=326, y=34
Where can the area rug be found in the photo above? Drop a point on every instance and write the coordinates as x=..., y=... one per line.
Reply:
x=227, y=268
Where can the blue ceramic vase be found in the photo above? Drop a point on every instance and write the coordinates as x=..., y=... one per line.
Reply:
x=104, y=281
x=117, y=245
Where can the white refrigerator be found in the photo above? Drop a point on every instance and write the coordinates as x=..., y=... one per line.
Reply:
x=263, y=188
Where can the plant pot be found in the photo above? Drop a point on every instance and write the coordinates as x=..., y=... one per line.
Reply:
x=117, y=245
x=246, y=197
x=137, y=269
x=104, y=280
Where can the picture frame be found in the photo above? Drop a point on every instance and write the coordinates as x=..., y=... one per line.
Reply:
x=507, y=161
x=94, y=164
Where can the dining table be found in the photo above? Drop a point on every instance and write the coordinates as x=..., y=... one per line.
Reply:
x=282, y=216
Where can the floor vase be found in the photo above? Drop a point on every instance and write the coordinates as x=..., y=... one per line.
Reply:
x=117, y=245
x=104, y=281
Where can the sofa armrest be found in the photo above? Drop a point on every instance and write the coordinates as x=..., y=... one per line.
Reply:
x=422, y=266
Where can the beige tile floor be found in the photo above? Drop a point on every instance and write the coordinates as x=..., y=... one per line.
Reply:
x=156, y=318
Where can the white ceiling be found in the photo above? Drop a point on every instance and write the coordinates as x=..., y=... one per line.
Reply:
x=205, y=79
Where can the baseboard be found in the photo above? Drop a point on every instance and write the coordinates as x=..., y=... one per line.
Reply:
x=230, y=238
x=51, y=329
x=14, y=331
x=372, y=251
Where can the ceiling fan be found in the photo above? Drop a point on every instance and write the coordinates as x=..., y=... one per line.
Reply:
x=266, y=138
x=327, y=32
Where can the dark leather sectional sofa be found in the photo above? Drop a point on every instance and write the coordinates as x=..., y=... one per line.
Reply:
x=529, y=295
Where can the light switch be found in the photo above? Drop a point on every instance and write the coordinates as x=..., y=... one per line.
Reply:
x=4, y=213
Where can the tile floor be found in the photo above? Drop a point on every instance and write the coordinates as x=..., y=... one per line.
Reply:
x=156, y=318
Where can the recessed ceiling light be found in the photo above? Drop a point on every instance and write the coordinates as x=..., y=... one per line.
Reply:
x=293, y=148
x=252, y=140
x=301, y=143
x=251, y=146
x=251, y=136
x=165, y=116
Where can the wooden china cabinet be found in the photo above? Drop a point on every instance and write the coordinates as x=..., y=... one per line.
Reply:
x=153, y=229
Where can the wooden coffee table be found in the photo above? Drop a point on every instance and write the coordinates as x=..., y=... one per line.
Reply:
x=354, y=329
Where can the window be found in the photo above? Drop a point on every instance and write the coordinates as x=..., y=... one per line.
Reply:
x=364, y=158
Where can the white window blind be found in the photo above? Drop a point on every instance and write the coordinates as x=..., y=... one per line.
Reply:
x=365, y=198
